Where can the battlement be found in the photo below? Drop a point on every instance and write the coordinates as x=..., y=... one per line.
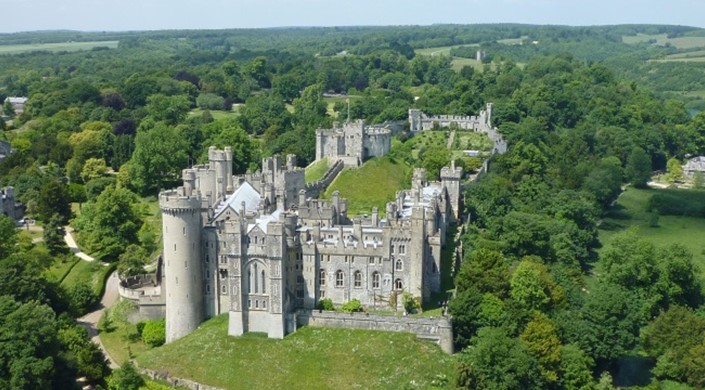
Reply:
x=175, y=200
x=451, y=172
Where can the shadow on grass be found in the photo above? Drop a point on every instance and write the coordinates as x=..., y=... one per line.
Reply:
x=612, y=226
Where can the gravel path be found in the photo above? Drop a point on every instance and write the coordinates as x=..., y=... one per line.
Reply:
x=90, y=320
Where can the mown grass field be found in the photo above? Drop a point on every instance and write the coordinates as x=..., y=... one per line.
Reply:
x=630, y=212
x=662, y=39
x=332, y=100
x=316, y=170
x=372, y=185
x=441, y=50
x=55, y=47
x=310, y=358
x=88, y=272
x=217, y=114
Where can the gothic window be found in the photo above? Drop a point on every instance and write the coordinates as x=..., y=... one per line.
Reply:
x=254, y=276
x=358, y=279
x=398, y=265
x=372, y=260
x=398, y=285
x=375, y=279
x=264, y=284
x=256, y=304
x=339, y=279
x=322, y=277
x=223, y=274
x=249, y=282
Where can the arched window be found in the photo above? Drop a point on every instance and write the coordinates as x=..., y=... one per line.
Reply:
x=249, y=282
x=398, y=285
x=398, y=265
x=339, y=279
x=322, y=277
x=254, y=276
x=375, y=279
x=264, y=284
x=358, y=279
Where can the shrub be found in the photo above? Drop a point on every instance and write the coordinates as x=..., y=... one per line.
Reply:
x=409, y=302
x=140, y=327
x=81, y=299
x=352, y=306
x=154, y=333
x=325, y=304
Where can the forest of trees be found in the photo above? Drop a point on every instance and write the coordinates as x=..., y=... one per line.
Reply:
x=535, y=306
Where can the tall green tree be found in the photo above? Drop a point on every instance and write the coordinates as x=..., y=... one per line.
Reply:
x=638, y=169
x=160, y=155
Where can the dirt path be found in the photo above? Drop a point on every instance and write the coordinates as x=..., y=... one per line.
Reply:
x=451, y=139
x=90, y=320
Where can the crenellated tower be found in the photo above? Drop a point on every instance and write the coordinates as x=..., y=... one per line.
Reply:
x=183, y=274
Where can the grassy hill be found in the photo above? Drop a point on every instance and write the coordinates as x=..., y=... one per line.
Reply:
x=372, y=185
x=630, y=212
x=316, y=170
x=311, y=358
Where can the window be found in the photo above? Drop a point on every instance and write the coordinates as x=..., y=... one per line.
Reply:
x=223, y=289
x=223, y=273
x=264, y=283
x=339, y=279
x=208, y=288
x=375, y=280
x=398, y=265
x=264, y=304
x=322, y=294
x=358, y=279
x=402, y=249
x=322, y=277
x=372, y=260
x=398, y=285
x=391, y=249
x=254, y=276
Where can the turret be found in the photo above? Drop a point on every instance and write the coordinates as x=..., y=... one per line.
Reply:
x=450, y=179
x=183, y=275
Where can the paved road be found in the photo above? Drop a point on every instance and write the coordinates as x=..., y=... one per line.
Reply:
x=90, y=320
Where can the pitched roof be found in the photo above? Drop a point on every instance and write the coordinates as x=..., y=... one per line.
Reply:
x=245, y=193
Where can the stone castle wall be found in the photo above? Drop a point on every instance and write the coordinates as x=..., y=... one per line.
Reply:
x=434, y=329
x=314, y=189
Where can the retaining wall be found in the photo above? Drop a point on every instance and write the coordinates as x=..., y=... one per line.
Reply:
x=435, y=329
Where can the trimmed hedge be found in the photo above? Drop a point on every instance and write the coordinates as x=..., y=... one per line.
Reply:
x=678, y=202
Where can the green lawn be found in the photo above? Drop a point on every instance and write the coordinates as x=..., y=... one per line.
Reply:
x=630, y=211
x=441, y=50
x=61, y=268
x=91, y=272
x=217, y=114
x=316, y=170
x=55, y=47
x=372, y=185
x=311, y=358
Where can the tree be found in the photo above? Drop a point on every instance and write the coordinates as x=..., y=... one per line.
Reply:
x=109, y=224
x=466, y=310
x=575, y=368
x=605, y=180
x=638, y=169
x=81, y=298
x=170, y=109
x=54, y=235
x=132, y=261
x=8, y=235
x=125, y=378
x=541, y=339
x=230, y=133
x=486, y=270
x=8, y=109
x=533, y=287
x=93, y=168
x=674, y=170
x=210, y=101
x=497, y=361
x=159, y=156
x=53, y=199
x=154, y=333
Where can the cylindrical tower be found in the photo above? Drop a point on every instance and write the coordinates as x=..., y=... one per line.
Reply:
x=183, y=274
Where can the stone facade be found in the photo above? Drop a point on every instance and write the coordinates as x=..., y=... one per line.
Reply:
x=259, y=248
x=693, y=165
x=9, y=205
x=482, y=123
x=353, y=143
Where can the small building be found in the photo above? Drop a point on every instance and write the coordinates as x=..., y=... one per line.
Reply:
x=18, y=103
x=695, y=164
x=9, y=205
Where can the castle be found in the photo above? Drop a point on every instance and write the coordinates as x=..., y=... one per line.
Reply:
x=355, y=142
x=258, y=248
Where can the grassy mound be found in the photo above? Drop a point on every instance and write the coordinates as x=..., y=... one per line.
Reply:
x=372, y=185
x=311, y=358
x=316, y=170
x=630, y=211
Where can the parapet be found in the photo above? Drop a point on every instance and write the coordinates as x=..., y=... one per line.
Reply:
x=176, y=200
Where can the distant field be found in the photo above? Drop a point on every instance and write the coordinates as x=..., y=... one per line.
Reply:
x=54, y=47
x=662, y=39
x=332, y=100
x=310, y=358
x=372, y=185
x=513, y=41
x=630, y=211
x=441, y=50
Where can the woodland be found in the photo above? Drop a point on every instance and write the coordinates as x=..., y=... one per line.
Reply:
x=539, y=301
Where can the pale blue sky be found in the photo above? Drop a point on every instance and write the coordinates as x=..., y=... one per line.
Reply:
x=112, y=15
